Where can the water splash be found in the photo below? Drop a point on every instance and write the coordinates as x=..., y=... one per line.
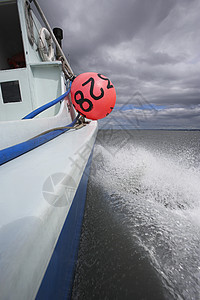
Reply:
x=155, y=195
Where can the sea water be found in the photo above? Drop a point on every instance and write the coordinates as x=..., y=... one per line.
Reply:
x=141, y=229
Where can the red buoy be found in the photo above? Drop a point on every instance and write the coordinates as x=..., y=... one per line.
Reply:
x=93, y=95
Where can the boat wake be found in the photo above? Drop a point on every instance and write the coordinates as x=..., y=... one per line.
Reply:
x=155, y=197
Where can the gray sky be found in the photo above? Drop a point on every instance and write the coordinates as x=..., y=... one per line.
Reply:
x=150, y=49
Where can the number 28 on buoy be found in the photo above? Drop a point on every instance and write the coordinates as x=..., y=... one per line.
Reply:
x=93, y=95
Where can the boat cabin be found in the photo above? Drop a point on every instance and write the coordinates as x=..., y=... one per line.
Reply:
x=30, y=75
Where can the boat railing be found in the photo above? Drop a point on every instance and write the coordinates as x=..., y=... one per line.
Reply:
x=63, y=58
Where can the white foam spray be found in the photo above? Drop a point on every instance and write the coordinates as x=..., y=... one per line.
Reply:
x=157, y=197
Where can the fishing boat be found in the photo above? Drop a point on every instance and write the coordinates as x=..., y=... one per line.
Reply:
x=46, y=149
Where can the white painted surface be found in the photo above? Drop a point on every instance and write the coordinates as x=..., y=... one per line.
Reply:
x=14, y=132
x=29, y=225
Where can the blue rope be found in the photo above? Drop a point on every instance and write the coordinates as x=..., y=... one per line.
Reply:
x=12, y=152
x=46, y=106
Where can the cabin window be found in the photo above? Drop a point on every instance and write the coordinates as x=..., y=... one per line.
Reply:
x=11, y=91
x=11, y=46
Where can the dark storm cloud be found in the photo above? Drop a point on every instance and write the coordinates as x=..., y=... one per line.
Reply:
x=160, y=58
x=90, y=25
x=150, y=47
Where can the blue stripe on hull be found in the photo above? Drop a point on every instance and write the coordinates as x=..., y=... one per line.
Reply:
x=59, y=276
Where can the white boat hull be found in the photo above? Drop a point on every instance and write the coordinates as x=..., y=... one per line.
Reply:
x=35, y=192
